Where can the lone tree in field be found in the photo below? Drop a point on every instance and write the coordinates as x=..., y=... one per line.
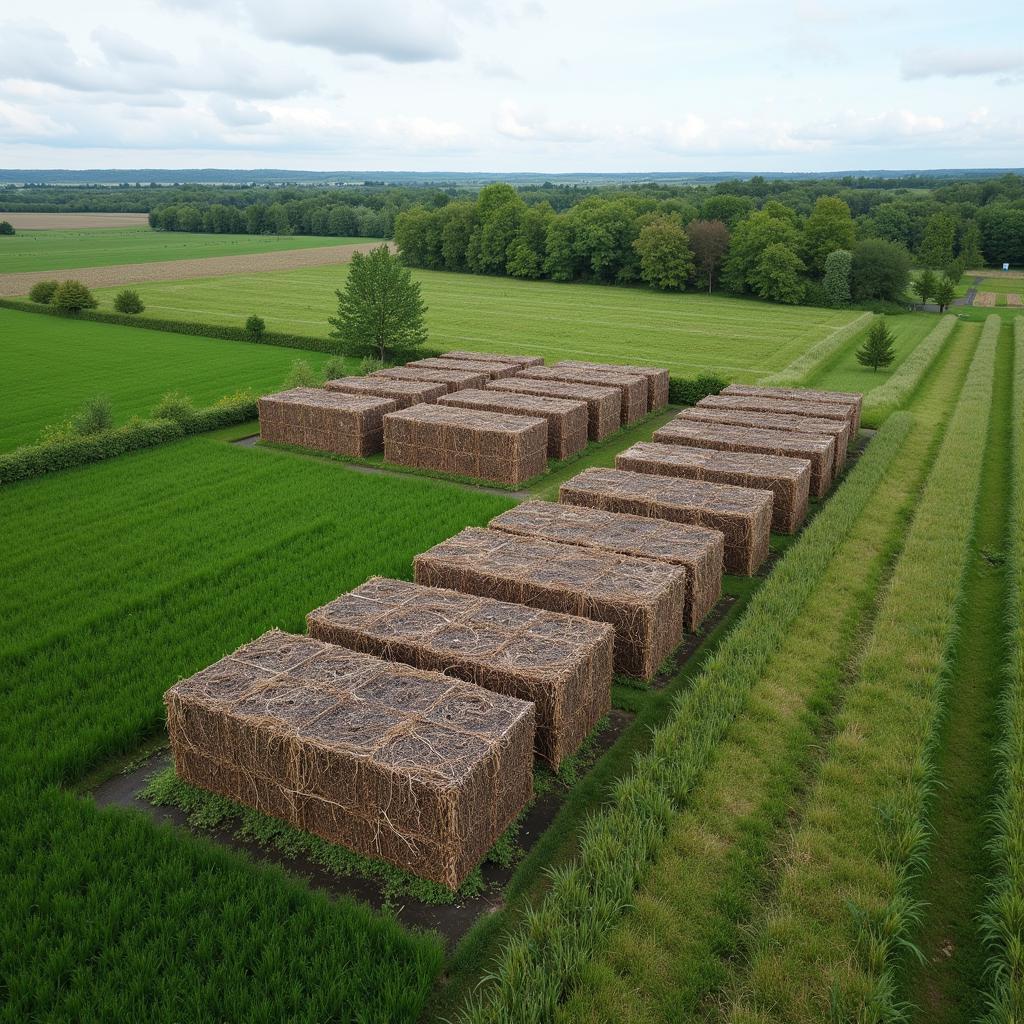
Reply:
x=944, y=292
x=6, y=227
x=380, y=312
x=128, y=300
x=877, y=350
x=925, y=284
x=73, y=297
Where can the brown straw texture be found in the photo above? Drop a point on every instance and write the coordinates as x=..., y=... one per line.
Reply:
x=402, y=392
x=325, y=420
x=492, y=368
x=491, y=357
x=632, y=387
x=850, y=399
x=657, y=378
x=604, y=404
x=454, y=380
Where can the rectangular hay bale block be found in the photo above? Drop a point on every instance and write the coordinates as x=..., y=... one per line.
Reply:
x=410, y=766
x=742, y=514
x=492, y=369
x=492, y=357
x=325, y=420
x=453, y=380
x=632, y=387
x=852, y=400
x=699, y=549
x=643, y=599
x=402, y=392
x=604, y=404
x=657, y=378
x=562, y=663
x=817, y=448
x=789, y=480
x=567, y=420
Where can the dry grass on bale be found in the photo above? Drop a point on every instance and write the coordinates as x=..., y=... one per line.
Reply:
x=493, y=370
x=567, y=420
x=402, y=392
x=453, y=380
x=742, y=514
x=562, y=663
x=416, y=768
x=844, y=398
x=657, y=378
x=818, y=448
x=804, y=408
x=491, y=357
x=485, y=445
x=632, y=387
x=789, y=480
x=697, y=548
x=644, y=600
x=604, y=404
x=837, y=429
x=326, y=421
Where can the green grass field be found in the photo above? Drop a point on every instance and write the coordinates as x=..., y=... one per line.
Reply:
x=101, y=247
x=688, y=333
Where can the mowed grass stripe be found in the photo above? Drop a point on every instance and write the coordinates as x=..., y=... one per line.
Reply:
x=832, y=941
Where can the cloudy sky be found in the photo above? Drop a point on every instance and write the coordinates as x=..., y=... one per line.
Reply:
x=545, y=85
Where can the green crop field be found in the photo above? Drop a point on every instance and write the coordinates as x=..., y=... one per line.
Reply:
x=101, y=247
x=688, y=333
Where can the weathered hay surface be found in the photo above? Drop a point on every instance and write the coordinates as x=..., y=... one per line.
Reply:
x=818, y=448
x=784, y=407
x=567, y=420
x=467, y=442
x=562, y=663
x=632, y=387
x=789, y=480
x=643, y=599
x=604, y=404
x=402, y=392
x=414, y=767
x=837, y=429
x=491, y=357
x=844, y=398
x=657, y=378
x=325, y=420
x=742, y=514
x=454, y=380
x=491, y=369
x=699, y=549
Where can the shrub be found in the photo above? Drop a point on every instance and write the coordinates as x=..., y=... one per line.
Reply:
x=94, y=417
x=689, y=391
x=302, y=375
x=42, y=292
x=73, y=296
x=176, y=407
x=369, y=365
x=255, y=327
x=6, y=227
x=128, y=301
x=335, y=367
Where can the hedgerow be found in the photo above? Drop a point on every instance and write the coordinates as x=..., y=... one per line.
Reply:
x=690, y=390
x=801, y=368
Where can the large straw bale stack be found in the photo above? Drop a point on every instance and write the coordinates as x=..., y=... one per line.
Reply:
x=604, y=404
x=644, y=600
x=657, y=378
x=414, y=767
x=837, y=429
x=632, y=387
x=491, y=368
x=562, y=663
x=699, y=549
x=325, y=420
x=454, y=380
x=784, y=407
x=850, y=399
x=466, y=442
x=789, y=480
x=402, y=392
x=491, y=357
x=567, y=420
x=818, y=448
x=742, y=514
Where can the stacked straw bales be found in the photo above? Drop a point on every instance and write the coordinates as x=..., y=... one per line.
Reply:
x=417, y=768
x=632, y=387
x=490, y=368
x=562, y=663
x=454, y=380
x=643, y=599
x=402, y=392
x=657, y=378
x=742, y=514
x=325, y=420
x=491, y=357
x=851, y=400
x=604, y=404
x=466, y=442
x=697, y=548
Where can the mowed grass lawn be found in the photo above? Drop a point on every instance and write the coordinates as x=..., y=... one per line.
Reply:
x=104, y=247
x=50, y=366
x=688, y=333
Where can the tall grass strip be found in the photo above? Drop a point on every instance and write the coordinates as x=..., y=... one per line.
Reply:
x=541, y=963
x=1003, y=921
x=830, y=946
x=805, y=364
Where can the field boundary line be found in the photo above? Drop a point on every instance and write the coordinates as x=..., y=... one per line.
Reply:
x=804, y=365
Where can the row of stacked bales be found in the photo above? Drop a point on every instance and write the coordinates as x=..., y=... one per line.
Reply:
x=329, y=421
x=491, y=369
x=453, y=379
x=604, y=404
x=402, y=392
x=657, y=378
x=495, y=358
x=632, y=387
x=851, y=401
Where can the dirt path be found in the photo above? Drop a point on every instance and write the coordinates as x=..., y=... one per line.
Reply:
x=182, y=270
x=969, y=296
x=70, y=221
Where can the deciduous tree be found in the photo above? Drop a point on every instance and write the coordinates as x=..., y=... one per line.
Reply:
x=836, y=282
x=665, y=258
x=945, y=290
x=779, y=275
x=709, y=240
x=881, y=270
x=924, y=284
x=828, y=228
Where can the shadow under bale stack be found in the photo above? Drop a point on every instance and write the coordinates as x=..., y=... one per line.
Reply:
x=698, y=549
x=567, y=421
x=643, y=599
x=657, y=378
x=484, y=445
x=852, y=401
x=604, y=404
x=817, y=448
x=632, y=388
x=562, y=663
x=742, y=514
x=491, y=357
x=789, y=480
x=325, y=421
x=414, y=767
x=402, y=392
x=453, y=380
x=492, y=369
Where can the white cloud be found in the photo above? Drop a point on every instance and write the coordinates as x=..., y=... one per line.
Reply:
x=231, y=112
x=960, y=63
x=121, y=48
x=534, y=125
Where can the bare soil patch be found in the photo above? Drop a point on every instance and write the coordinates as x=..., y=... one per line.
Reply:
x=1013, y=299
x=65, y=221
x=985, y=299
